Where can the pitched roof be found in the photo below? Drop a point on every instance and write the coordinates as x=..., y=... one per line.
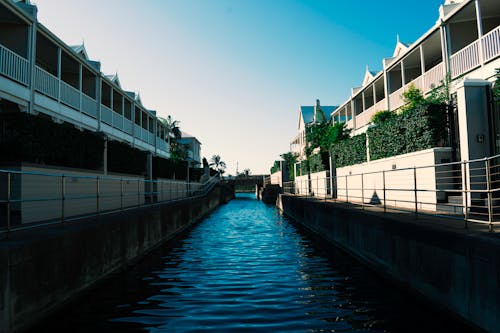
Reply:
x=307, y=113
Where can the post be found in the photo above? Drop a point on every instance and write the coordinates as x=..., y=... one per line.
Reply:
x=465, y=193
x=383, y=184
x=121, y=193
x=138, y=192
x=362, y=191
x=9, y=176
x=488, y=188
x=346, y=190
x=415, y=189
x=97, y=194
x=63, y=195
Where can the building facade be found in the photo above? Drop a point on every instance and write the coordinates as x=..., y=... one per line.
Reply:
x=461, y=50
x=40, y=74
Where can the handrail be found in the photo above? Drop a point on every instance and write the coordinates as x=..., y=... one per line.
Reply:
x=49, y=198
x=473, y=186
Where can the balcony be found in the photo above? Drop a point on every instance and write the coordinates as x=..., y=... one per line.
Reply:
x=468, y=58
x=14, y=66
x=364, y=117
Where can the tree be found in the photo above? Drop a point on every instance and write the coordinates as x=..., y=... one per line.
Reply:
x=218, y=163
x=290, y=160
x=496, y=87
x=246, y=172
x=173, y=129
x=178, y=151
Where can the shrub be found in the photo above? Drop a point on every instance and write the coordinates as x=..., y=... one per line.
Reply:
x=415, y=129
x=350, y=151
x=37, y=139
x=382, y=117
x=123, y=158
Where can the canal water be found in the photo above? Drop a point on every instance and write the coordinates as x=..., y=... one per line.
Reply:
x=246, y=268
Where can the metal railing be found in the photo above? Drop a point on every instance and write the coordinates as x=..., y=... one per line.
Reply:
x=468, y=190
x=34, y=199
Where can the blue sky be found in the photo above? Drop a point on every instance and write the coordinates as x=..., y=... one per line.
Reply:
x=234, y=72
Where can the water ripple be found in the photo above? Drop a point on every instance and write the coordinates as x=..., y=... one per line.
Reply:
x=247, y=269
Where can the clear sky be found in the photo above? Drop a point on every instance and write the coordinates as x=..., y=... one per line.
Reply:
x=234, y=72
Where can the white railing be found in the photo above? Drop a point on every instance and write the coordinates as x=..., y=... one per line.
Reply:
x=161, y=144
x=46, y=83
x=14, y=66
x=117, y=121
x=396, y=98
x=106, y=115
x=364, y=117
x=350, y=124
x=465, y=59
x=137, y=131
x=89, y=106
x=433, y=77
x=127, y=126
x=70, y=95
x=491, y=44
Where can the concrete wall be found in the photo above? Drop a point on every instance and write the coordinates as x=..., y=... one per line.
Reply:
x=319, y=185
x=44, y=267
x=42, y=192
x=451, y=267
x=399, y=184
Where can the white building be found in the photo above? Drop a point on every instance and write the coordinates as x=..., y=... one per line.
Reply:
x=42, y=75
x=193, y=146
x=464, y=42
x=309, y=115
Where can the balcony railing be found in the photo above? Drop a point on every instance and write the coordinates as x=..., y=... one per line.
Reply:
x=70, y=95
x=433, y=77
x=491, y=44
x=89, y=106
x=117, y=121
x=46, y=83
x=106, y=115
x=364, y=117
x=14, y=66
x=465, y=60
x=127, y=126
x=396, y=98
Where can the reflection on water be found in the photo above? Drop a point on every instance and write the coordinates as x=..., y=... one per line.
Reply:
x=245, y=268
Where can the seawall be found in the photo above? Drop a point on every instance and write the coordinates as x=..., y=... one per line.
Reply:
x=455, y=268
x=43, y=268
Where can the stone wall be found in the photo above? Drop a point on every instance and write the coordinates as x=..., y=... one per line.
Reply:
x=43, y=268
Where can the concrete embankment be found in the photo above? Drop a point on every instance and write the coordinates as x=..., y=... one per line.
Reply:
x=43, y=268
x=453, y=267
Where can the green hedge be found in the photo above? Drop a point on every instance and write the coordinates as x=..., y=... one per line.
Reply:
x=275, y=167
x=165, y=168
x=37, y=139
x=418, y=129
x=122, y=158
x=350, y=151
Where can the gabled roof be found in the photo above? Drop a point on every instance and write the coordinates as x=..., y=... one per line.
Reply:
x=114, y=78
x=187, y=136
x=369, y=76
x=80, y=50
x=400, y=48
x=307, y=113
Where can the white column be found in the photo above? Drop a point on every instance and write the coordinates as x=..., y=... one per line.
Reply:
x=98, y=98
x=363, y=100
x=403, y=76
x=386, y=90
x=479, y=31
x=80, y=84
x=353, y=112
x=132, y=116
x=374, y=94
x=59, y=73
x=32, y=62
x=422, y=60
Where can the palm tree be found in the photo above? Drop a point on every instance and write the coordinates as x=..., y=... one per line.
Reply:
x=172, y=127
x=246, y=172
x=218, y=163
